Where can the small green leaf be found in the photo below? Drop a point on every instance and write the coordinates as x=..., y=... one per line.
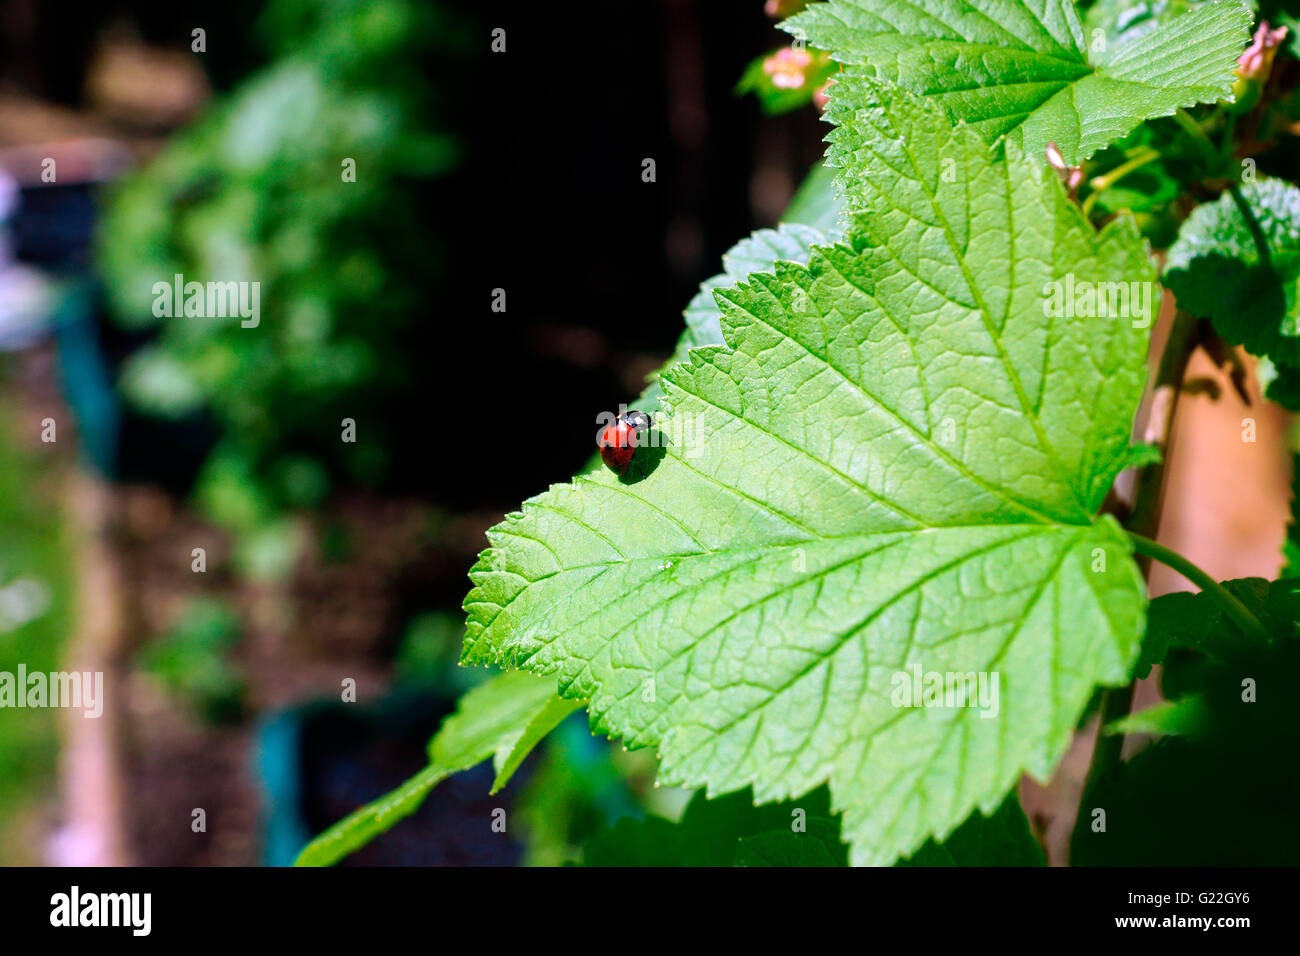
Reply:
x=1024, y=70
x=1141, y=455
x=1170, y=718
x=815, y=214
x=1280, y=383
x=708, y=834
x=1237, y=263
x=731, y=831
x=502, y=718
x=786, y=79
x=818, y=845
x=1001, y=839
x=1195, y=621
x=509, y=756
x=355, y=831
x=789, y=242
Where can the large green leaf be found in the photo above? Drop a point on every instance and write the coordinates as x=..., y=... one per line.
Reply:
x=892, y=464
x=1024, y=69
x=503, y=718
x=1237, y=263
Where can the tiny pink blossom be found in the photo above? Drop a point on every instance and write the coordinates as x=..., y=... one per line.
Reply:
x=786, y=68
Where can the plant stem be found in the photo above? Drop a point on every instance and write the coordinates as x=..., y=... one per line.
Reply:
x=1194, y=130
x=1229, y=130
x=1238, y=612
x=1115, y=704
x=1101, y=183
x=1252, y=225
x=1168, y=385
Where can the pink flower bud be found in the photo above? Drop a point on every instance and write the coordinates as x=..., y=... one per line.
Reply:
x=1071, y=176
x=780, y=9
x=1257, y=60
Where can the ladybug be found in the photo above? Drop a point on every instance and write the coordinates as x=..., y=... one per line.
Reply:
x=618, y=441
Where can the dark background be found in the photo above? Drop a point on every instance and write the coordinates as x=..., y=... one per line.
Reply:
x=548, y=203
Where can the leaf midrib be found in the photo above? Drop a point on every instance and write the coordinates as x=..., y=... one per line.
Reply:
x=1026, y=407
x=875, y=613
x=926, y=441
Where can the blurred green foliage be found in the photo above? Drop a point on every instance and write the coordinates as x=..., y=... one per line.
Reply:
x=192, y=660
x=258, y=190
x=36, y=593
x=787, y=79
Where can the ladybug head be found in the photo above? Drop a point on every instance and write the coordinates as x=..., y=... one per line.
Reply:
x=637, y=420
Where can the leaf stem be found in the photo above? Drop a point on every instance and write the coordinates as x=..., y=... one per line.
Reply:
x=1195, y=130
x=1158, y=430
x=1238, y=612
x=1229, y=129
x=1106, y=752
x=1101, y=183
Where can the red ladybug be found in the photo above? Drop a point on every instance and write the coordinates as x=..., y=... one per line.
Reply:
x=618, y=441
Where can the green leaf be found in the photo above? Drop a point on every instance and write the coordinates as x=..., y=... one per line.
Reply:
x=781, y=88
x=1141, y=455
x=818, y=202
x=1001, y=839
x=815, y=214
x=1024, y=71
x=511, y=753
x=708, y=834
x=759, y=252
x=1280, y=383
x=1169, y=718
x=731, y=831
x=502, y=718
x=893, y=464
x=1124, y=21
x=1195, y=621
x=818, y=845
x=1237, y=263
